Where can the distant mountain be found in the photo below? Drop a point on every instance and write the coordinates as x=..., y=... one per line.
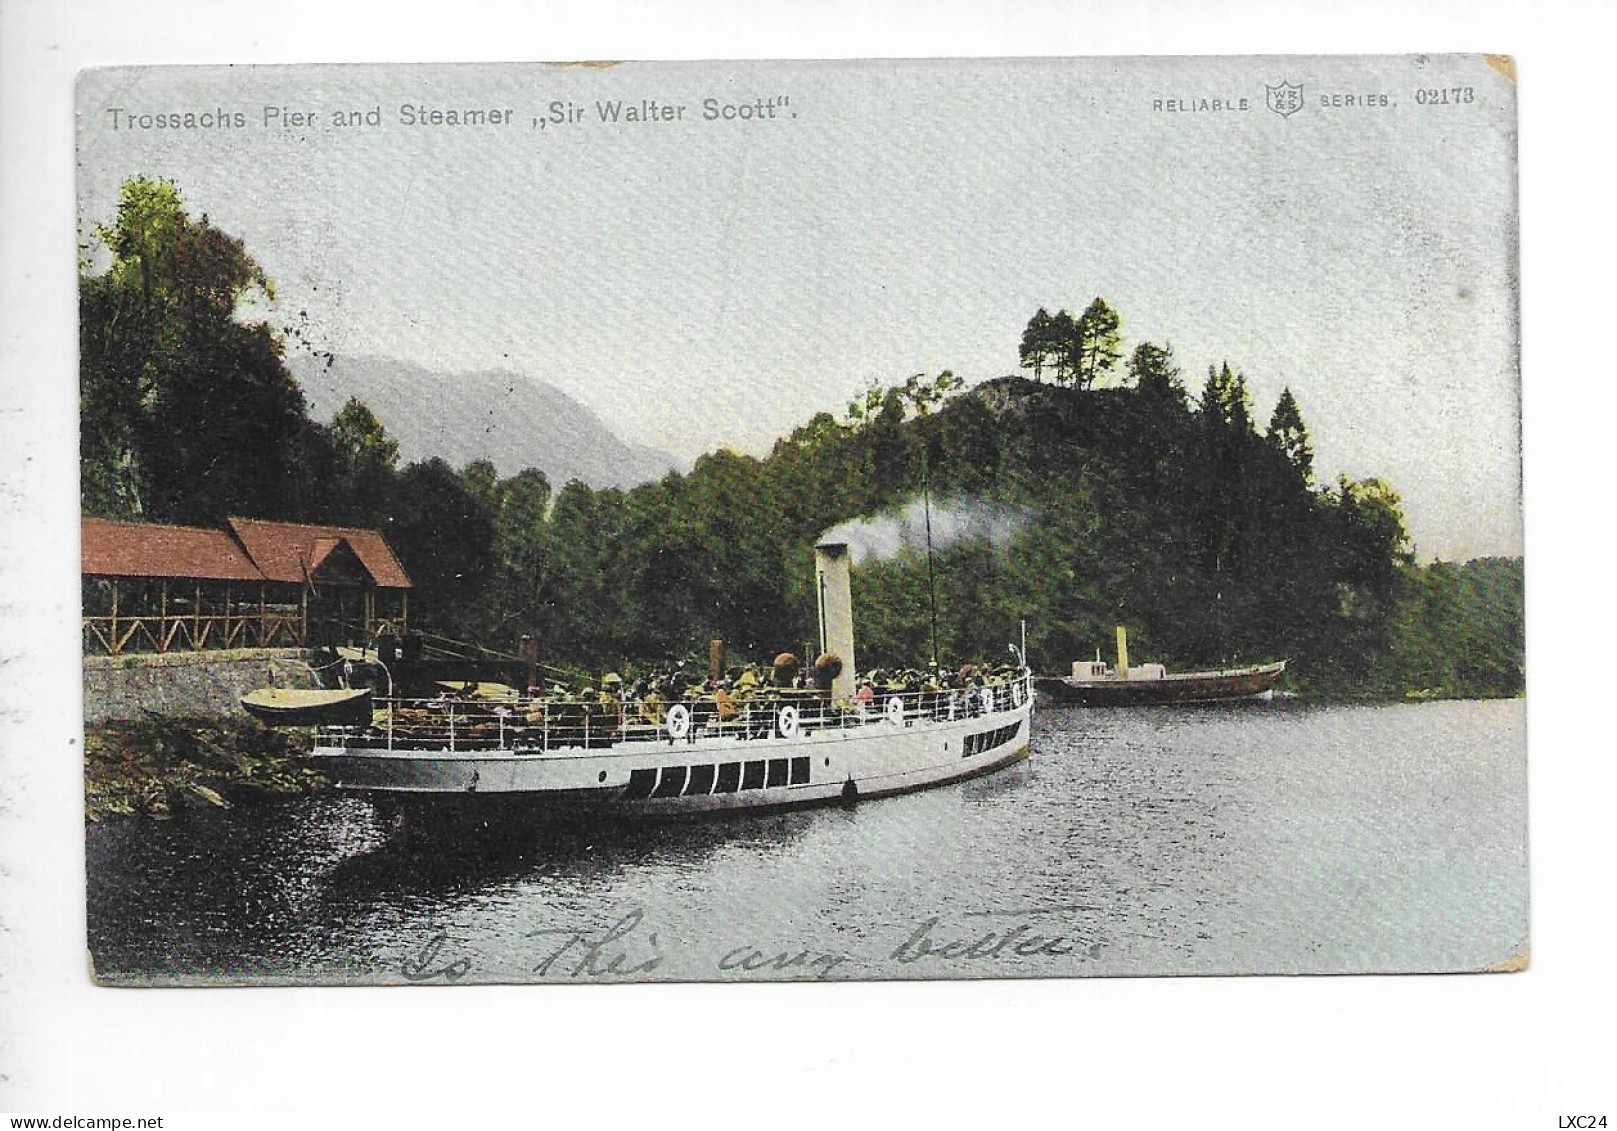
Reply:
x=507, y=418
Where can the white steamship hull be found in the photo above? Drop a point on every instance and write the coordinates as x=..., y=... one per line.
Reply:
x=708, y=773
x=778, y=749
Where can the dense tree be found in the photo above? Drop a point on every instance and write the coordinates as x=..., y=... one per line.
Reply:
x=1371, y=531
x=1288, y=435
x=1079, y=351
x=1047, y=342
x=1188, y=526
x=1459, y=630
x=1125, y=506
x=111, y=479
x=481, y=478
x=925, y=395
x=1097, y=343
x=584, y=603
x=1155, y=375
x=188, y=412
x=707, y=552
x=518, y=509
x=364, y=461
x=444, y=538
x=1222, y=502
x=1226, y=405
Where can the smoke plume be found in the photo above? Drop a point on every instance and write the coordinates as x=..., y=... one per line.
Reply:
x=955, y=520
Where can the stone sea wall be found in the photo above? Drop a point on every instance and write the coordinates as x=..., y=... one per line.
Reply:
x=185, y=684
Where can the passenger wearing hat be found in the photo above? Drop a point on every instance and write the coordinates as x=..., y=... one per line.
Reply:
x=611, y=698
x=651, y=707
x=539, y=709
x=786, y=667
x=725, y=702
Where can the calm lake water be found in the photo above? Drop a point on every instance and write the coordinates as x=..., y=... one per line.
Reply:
x=1252, y=838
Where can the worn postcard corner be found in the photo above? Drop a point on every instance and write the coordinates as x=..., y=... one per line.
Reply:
x=1515, y=964
x=1504, y=64
x=801, y=520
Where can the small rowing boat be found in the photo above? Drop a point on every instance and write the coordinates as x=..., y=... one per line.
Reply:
x=302, y=707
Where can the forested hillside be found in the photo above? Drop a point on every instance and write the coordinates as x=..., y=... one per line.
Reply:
x=1108, y=494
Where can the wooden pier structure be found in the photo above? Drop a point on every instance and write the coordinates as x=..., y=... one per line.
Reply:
x=254, y=584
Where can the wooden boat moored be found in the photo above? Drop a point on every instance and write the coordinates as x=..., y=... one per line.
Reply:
x=301, y=707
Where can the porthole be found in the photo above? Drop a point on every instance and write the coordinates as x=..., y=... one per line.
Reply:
x=601, y=776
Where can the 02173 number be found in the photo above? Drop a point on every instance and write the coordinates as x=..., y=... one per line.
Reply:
x=1445, y=96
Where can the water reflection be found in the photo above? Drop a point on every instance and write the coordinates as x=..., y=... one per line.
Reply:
x=430, y=852
x=217, y=892
x=1198, y=840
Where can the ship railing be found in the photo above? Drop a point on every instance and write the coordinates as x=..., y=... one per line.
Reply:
x=536, y=726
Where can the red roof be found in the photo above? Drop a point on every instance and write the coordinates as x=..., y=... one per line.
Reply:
x=322, y=549
x=144, y=549
x=290, y=551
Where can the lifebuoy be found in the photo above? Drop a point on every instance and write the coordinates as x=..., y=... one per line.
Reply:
x=988, y=700
x=786, y=722
x=678, y=722
x=1016, y=694
x=895, y=710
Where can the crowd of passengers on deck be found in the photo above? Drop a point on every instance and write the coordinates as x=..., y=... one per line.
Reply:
x=745, y=700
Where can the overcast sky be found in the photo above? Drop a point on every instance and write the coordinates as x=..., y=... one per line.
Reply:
x=708, y=283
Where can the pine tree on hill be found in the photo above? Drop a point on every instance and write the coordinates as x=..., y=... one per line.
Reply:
x=1288, y=435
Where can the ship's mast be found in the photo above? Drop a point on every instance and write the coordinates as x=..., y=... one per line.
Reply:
x=931, y=580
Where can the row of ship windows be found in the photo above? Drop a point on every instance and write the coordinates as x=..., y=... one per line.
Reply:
x=732, y=777
x=988, y=740
x=727, y=777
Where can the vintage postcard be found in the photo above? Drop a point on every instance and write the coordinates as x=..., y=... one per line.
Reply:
x=816, y=521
